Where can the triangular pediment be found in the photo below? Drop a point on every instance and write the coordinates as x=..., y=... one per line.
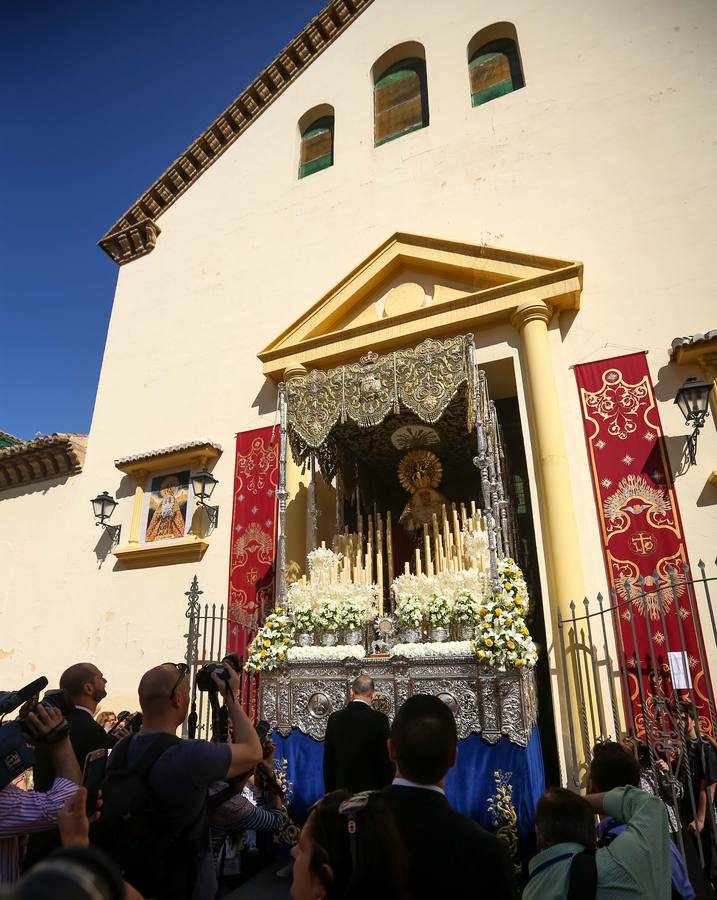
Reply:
x=417, y=285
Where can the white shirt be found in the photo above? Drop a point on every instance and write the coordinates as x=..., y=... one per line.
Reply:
x=404, y=782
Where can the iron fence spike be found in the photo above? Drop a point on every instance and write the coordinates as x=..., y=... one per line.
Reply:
x=701, y=565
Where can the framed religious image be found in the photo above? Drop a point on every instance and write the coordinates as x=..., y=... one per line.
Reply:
x=168, y=511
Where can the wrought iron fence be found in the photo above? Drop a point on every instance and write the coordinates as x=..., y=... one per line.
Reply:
x=213, y=631
x=644, y=689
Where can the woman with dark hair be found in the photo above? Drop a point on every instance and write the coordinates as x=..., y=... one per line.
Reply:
x=349, y=850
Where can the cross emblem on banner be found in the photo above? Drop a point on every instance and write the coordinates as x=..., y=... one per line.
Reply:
x=643, y=543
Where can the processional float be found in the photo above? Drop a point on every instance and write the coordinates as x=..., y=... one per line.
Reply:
x=395, y=585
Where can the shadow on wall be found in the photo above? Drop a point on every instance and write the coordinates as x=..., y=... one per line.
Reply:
x=708, y=495
x=266, y=400
x=33, y=488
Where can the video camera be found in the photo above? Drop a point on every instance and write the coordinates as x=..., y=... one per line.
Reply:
x=15, y=753
x=204, y=680
x=131, y=721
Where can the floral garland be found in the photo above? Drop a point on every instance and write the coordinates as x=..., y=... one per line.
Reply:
x=426, y=651
x=269, y=648
x=326, y=654
x=502, y=639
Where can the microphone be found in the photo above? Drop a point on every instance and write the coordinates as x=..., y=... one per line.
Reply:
x=10, y=700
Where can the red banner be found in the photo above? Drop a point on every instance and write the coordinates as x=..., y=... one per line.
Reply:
x=253, y=536
x=642, y=535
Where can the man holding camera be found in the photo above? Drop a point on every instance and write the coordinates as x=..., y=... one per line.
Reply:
x=176, y=858
x=27, y=812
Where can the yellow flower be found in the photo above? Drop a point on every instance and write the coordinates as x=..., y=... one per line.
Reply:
x=519, y=664
x=481, y=654
x=508, y=586
x=524, y=630
x=263, y=653
x=489, y=642
x=277, y=609
x=509, y=620
x=499, y=612
x=282, y=655
x=483, y=611
x=286, y=640
x=511, y=645
x=267, y=643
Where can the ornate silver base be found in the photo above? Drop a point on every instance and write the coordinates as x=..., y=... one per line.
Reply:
x=489, y=703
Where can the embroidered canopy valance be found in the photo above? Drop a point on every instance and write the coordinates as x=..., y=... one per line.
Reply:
x=424, y=379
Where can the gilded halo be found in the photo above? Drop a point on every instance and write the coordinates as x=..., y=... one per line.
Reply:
x=419, y=469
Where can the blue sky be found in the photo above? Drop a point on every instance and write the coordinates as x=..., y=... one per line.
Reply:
x=96, y=99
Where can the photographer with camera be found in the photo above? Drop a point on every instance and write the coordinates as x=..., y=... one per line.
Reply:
x=154, y=815
x=233, y=817
x=27, y=812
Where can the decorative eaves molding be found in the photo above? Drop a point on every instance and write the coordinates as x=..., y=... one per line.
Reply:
x=135, y=234
x=191, y=452
x=44, y=458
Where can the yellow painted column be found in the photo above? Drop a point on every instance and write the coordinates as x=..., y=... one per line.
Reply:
x=297, y=486
x=556, y=507
x=557, y=511
x=140, y=478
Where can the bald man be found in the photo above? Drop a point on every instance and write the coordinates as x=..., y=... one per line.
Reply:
x=87, y=686
x=178, y=781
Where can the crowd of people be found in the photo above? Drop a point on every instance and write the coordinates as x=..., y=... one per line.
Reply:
x=176, y=818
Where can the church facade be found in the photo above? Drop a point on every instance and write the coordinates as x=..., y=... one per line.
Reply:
x=538, y=178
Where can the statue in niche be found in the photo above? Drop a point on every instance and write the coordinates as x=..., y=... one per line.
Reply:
x=420, y=473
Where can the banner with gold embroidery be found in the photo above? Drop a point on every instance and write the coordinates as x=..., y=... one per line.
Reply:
x=252, y=553
x=643, y=540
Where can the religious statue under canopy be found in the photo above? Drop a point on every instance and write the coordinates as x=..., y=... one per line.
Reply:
x=420, y=473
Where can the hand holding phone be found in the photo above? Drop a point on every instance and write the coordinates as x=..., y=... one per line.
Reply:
x=93, y=775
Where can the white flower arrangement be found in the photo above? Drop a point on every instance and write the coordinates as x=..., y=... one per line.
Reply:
x=328, y=616
x=475, y=544
x=304, y=617
x=426, y=651
x=269, y=648
x=321, y=560
x=438, y=611
x=465, y=609
x=508, y=649
x=409, y=612
x=326, y=654
x=352, y=616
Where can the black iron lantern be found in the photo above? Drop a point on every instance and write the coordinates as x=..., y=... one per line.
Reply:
x=103, y=506
x=203, y=484
x=693, y=401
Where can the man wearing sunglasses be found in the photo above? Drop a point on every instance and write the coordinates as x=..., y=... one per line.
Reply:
x=178, y=774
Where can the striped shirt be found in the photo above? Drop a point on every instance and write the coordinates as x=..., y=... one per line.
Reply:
x=25, y=812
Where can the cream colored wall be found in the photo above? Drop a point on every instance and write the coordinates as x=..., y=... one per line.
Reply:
x=605, y=156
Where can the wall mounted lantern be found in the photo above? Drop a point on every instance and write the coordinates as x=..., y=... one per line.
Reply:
x=103, y=506
x=204, y=483
x=693, y=400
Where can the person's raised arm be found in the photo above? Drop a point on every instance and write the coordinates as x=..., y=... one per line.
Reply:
x=245, y=746
x=64, y=761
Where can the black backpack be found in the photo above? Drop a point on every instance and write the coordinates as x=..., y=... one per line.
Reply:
x=157, y=857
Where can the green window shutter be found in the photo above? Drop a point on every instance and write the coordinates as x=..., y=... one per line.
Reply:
x=493, y=73
x=400, y=101
x=317, y=147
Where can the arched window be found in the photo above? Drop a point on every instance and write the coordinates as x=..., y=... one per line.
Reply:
x=494, y=70
x=400, y=99
x=317, y=146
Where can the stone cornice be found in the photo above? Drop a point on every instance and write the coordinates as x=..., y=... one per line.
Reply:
x=135, y=234
x=47, y=457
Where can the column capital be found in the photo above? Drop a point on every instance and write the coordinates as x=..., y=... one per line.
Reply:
x=530, y=312
x=294, y=372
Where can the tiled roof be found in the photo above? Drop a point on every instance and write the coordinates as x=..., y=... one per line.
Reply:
x=7, y=440
x=135, y=234
x=41, y=459
x=153, y=456
x=702, y=337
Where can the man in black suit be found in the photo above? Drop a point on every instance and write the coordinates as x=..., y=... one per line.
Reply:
x=86, y=685
x=355, y=746
x=449, y=854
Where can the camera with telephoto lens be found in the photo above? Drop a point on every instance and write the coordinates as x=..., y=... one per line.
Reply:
x=204, y=680
x=132, y=722
x=15, y=754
